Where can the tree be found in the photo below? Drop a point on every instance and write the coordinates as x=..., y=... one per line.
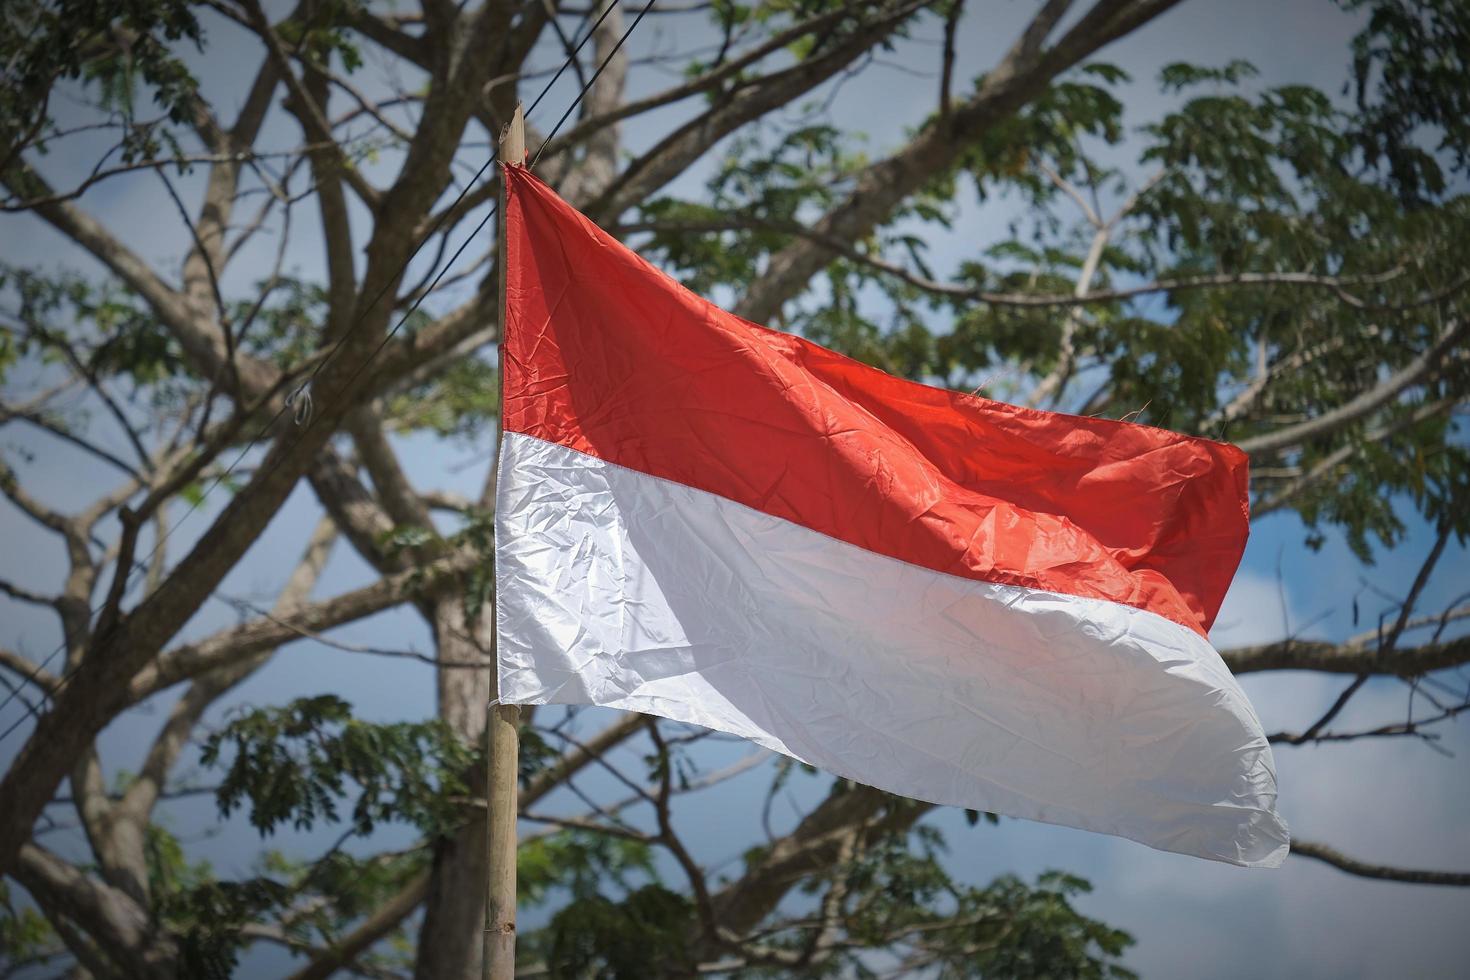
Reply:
x=1274, y=267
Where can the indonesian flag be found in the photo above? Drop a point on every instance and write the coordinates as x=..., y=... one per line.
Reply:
x=945, y=597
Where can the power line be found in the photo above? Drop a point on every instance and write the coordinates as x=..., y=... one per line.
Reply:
x=301, y=394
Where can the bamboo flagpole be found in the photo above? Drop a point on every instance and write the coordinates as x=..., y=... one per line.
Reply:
x=503, y=739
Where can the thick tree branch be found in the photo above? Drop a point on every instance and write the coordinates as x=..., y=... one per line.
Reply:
x=385, y=35
x=397, y=495
x=29, y=671
x=104, y=912
x=358, y=514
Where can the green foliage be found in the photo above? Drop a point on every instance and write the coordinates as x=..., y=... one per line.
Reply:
x=778, y=184
x=116, y=48
x=25, y=935
x=644, y=935
x=207, y=921
x=405, y=538
x=1178, y=76
x=323, y=33
x=579, y=863
x=1043, y=935
x=1409, y=70
x=294, y=764
x=124, y=339
x=1049, y=128
x=283, y=323
x=462, y=401
x=617, y=922
x=1246, y=179
x=170, y=872
x=897, y=897
x=478, y=532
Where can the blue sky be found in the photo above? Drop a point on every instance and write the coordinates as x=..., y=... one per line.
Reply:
x=1394, y=800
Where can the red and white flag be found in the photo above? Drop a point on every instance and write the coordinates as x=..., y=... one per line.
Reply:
x=946, y=597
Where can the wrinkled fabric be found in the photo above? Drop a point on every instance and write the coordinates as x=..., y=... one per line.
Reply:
x=607, y=355
x=939, y=595
x=626, y=590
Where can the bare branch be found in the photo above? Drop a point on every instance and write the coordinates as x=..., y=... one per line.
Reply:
x=17, y=204
x=598, y=164
x=1418, y=369
x=1414, y=728
x=959, y=292
x=1340, y=861
x=143, y=792
x=1328, y=465
x=22, y=594
x=28, y=670
x=670, y=839
x=84, y=371
x=579, y=757
x=580, y=823
x=1438, y=620
x=439, y=662
x=258, y=635
x=1334, y=658
x=33, y=508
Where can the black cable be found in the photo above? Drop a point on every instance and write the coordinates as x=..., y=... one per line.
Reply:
x=302, y=390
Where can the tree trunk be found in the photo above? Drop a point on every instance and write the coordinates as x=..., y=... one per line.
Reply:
x=450, y=942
